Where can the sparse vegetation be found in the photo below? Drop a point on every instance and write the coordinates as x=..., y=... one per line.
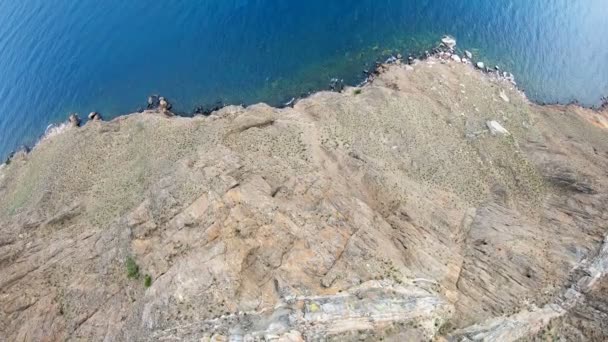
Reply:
x=132, y=268
x=357, y=91
x=147, y=280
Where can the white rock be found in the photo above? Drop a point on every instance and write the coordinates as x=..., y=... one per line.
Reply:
x=480, y=65
x=503, y=96
x=468, y=54
x=456, y=58
x=163, y=104
x=449, y=42
x=496, y=128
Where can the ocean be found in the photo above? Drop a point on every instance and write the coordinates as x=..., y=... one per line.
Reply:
x=64, y=56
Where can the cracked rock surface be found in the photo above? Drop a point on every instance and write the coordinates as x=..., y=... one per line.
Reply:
x=387, y=212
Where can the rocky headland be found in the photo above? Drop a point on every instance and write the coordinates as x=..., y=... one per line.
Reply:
x=434, y=202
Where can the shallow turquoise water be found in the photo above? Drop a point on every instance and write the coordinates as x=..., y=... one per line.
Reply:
x=62, y=56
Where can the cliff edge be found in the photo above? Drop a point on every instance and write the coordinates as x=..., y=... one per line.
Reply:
x=435, y=202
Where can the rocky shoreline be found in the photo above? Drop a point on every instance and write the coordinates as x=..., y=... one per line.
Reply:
x=445, y=51
x=434, y=202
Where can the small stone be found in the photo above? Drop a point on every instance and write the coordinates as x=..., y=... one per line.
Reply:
x=480, y=65
x=468, y=54
x=456, y=58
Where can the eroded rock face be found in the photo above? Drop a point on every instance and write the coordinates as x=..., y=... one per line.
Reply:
x=390, y=213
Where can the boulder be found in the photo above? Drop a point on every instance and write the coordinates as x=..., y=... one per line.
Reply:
x=456, y=58
x=164, y=105
x=448, y=42
x=468, y=54
x=391, y=59
x=94, y=116
x=337, y=85
x=481, y=66
x=74, y=120
x=496, y=128
x=153, y=101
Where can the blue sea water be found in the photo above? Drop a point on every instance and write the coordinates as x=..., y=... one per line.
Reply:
x=64, y=56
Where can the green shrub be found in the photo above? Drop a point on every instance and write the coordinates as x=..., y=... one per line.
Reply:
x=147, y=280
x=132, y=268
x=357, y=91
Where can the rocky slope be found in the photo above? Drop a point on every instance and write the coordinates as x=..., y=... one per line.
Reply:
x=434, y=203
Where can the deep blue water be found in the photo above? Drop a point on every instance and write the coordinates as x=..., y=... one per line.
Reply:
x=64, y=56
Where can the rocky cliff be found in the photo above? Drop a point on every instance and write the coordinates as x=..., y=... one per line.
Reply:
x=434, y=203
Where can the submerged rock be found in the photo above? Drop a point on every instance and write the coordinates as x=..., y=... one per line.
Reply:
x=207, y=110
x=468, y=54
x=337, y=85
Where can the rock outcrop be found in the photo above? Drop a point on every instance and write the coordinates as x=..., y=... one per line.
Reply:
x=383, y=212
